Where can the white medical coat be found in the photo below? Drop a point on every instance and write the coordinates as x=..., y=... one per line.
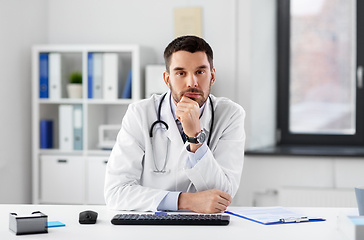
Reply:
x=132, y=184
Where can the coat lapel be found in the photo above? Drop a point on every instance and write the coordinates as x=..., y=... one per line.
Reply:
x=173, y=133
x=205, y=120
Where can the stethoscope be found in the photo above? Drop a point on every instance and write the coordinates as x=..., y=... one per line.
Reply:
x=163, y=170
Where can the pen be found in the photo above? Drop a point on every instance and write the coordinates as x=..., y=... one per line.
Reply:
x=160, y=213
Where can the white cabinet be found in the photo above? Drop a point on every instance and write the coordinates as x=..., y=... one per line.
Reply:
x=76, y=174
x=96, y=167
x=62, y=179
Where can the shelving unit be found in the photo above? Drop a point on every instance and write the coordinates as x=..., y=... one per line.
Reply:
x=77, y=176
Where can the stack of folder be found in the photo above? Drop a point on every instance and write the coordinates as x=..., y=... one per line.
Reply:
x=50, y=75
x=46, y=133
x=70, y=127
x=103, y=77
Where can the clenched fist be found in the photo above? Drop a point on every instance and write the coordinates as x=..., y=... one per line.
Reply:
x=209, y=201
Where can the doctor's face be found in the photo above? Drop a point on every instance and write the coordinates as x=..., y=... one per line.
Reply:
x=190, y=75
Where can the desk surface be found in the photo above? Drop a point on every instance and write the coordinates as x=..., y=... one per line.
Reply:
x=237, y=229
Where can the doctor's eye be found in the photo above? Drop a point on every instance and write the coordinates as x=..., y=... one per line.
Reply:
x=180, y=73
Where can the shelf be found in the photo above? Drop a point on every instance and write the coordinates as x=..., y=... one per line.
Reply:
x=98, y=152
x=77, y=48
x=51, y=67
x=60, y=101
x=106, y=101
x=60, y=152
x=75, y=152
x=86, y=101
x=308, y=150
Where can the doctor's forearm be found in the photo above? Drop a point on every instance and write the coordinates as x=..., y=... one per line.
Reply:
x=211, y=173
x=209, y=201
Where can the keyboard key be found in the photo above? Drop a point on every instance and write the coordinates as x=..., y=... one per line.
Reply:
x=170, y=219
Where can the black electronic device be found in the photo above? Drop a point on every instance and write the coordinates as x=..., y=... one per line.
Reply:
x=87, y=217
x=170, y=219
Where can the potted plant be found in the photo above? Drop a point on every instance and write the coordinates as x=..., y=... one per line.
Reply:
x=74, y=87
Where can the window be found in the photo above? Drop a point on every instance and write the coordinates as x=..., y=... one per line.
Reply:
x=319, y=72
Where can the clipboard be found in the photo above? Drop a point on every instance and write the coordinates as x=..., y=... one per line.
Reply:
x=273, y=215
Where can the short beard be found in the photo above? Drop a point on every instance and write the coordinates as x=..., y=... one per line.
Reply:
x=177, y=97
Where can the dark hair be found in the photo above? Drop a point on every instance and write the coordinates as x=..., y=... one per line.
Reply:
x=190, y=44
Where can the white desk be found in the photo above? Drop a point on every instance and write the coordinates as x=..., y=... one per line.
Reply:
x=103, y=229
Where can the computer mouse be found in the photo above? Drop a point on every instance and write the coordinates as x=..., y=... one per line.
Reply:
x=87, y=217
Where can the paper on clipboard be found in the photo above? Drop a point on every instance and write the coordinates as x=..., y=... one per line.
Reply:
x=273, y=215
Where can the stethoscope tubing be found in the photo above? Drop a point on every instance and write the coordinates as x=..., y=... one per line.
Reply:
x=163, y=170
x=158, y=117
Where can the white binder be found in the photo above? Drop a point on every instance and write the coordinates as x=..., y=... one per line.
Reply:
x=54, y=76
x=154, y=80
x=97, y=75
x=110, y=76
x=66, y=127
x=77, y=127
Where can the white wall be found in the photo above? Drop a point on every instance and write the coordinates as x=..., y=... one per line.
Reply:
x=263, y=81
x=22, y=23
x=150, y=24
x=242, y=34
x=262, y=174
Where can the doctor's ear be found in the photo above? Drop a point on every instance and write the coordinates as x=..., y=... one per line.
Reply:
x=213, y=75
x=166, y=78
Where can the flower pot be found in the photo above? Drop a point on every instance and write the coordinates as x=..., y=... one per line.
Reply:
x=74, y=90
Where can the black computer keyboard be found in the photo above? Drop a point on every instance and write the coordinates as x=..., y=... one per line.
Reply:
x=170, y=219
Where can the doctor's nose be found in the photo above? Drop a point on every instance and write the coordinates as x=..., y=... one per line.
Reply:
x=192, y=81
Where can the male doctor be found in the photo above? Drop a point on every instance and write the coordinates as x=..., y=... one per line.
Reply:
x=192, y=157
